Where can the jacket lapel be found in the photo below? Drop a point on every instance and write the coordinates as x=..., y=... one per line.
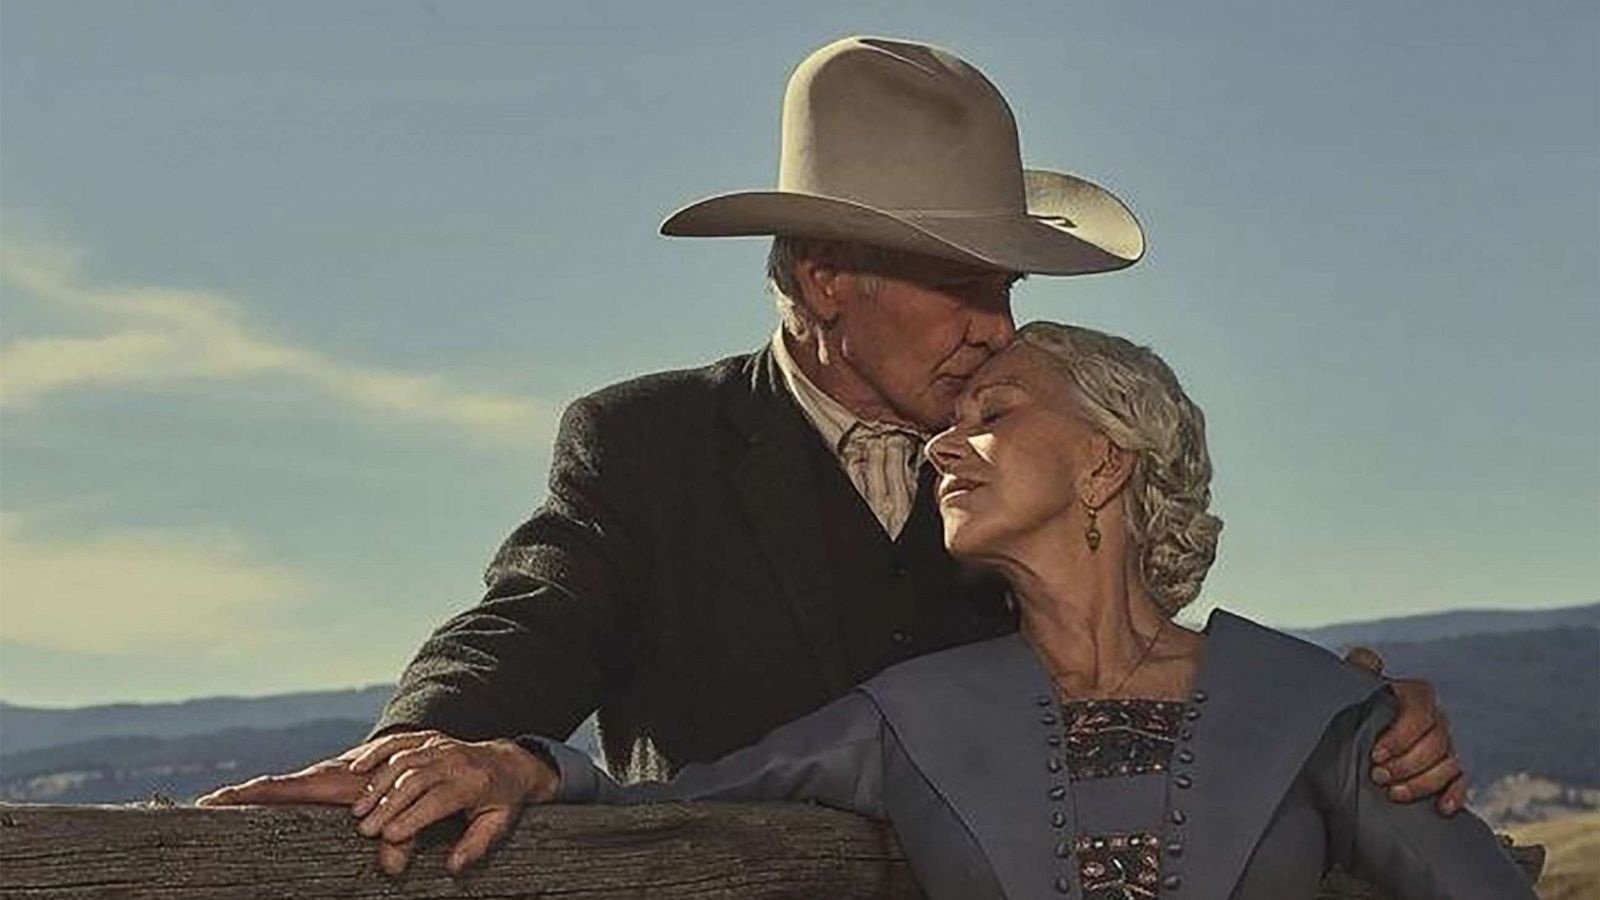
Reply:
x=776, y=488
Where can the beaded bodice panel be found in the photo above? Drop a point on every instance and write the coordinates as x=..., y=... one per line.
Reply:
x=1106, y=738
x=1120, y=739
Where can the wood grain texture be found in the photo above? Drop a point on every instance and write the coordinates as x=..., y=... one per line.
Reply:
x=674, y=851
x=706, y=851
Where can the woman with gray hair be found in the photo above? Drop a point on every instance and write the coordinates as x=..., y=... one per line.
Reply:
x=1102, y=751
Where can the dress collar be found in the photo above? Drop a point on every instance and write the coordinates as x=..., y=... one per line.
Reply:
x=1261, y=702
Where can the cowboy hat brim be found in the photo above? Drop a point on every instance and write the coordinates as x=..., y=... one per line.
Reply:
x=1072, y=226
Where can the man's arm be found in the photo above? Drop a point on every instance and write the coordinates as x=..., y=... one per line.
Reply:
x=555, y=630
x=553, y=635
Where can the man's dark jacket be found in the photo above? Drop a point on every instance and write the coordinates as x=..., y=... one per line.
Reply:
x=702, y=571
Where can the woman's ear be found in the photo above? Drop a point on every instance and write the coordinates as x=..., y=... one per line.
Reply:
x=1111, y=467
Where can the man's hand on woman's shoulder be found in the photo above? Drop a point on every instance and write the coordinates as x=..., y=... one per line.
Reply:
x=1415, y=757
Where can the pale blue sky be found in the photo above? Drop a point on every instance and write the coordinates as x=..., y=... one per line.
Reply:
x=294, y=290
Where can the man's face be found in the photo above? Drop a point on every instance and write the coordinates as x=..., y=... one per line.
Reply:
x=923, y=333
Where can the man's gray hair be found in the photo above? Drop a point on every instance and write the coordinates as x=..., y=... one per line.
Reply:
x=785, y=287
x=1132, y=396
x=870, y=263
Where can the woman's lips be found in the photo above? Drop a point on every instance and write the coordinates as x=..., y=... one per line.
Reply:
x=955, y=487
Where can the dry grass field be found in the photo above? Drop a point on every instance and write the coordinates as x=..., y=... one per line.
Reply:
x=1572, y=866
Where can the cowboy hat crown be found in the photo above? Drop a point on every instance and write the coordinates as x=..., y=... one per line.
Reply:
x=905, y=145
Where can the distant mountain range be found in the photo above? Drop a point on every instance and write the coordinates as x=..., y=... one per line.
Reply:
x=1456, y=623
x=28, y=728
x=1520, y=688
x=137, y=768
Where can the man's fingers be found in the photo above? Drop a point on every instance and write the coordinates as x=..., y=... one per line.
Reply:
x=481, y=834
x=1454, y=797
x=225, y=795
x=438, y=802
x=1431, y=782
x=1419, y=713
x=393, y=857
x=380, y=750
x=381, y=807
x=325, y=782
x=1414, y=773
x=380, y=782
x=1429, y=751
x=1365, y=658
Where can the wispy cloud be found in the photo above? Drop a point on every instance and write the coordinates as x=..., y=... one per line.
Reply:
x=198, y=591
x=112, y=614
x=155, y=337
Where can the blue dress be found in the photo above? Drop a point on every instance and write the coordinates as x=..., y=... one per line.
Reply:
x=1250, y=790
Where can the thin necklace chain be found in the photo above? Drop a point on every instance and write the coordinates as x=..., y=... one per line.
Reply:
x=1128, y=676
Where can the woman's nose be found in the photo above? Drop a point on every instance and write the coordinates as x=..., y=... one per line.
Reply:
x=944, y=450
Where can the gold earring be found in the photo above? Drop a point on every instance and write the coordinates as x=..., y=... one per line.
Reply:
x=1091, y=535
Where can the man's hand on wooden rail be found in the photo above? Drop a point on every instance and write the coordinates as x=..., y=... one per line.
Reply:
x=401, y=783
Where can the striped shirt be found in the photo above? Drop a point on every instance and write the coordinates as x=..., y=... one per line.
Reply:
x=881, y=458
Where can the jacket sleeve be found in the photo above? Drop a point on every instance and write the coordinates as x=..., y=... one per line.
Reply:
x=1409, y=850
x=833, y=756
x=555, y=628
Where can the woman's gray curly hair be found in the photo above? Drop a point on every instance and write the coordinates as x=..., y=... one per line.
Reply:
x=1131, y=395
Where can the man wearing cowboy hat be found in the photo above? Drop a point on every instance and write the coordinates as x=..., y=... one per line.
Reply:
x=728, y=548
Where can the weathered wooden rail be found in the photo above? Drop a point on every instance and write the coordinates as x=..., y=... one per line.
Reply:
x=676, y=851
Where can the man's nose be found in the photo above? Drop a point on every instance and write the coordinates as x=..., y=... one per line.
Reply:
x=993, y=328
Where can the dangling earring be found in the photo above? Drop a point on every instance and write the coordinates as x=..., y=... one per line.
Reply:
x=1091, y=535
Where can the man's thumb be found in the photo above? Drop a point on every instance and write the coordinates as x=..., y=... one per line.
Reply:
x=1365, y=658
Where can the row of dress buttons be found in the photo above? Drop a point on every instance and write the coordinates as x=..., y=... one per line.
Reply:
x=1057, y=792
x=1183, y=781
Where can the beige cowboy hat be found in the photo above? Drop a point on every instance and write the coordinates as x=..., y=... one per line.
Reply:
x=905, y=145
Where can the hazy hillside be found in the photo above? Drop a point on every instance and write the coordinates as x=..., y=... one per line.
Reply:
x=1456, y=623
x=1518, y=701
x=27, y=727
x=124, y=769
